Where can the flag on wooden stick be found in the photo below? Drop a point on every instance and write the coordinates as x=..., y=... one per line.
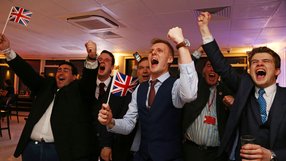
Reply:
x=18, y=15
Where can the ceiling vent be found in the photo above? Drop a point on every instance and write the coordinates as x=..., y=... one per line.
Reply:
x=106, y=35
x=68, y=47
x=93, y=22
x=217, y=11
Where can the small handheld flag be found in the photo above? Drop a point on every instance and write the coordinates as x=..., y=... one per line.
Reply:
x=122, y=84
x=18, y=15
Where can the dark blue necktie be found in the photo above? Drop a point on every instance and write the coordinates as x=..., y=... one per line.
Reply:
x=262, y=104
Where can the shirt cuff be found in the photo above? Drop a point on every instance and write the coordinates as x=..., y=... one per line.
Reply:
x=114, y=128
x=197, y=54
x=187, y=68
x=207, y=39
x=91, y=64
x=9, y=54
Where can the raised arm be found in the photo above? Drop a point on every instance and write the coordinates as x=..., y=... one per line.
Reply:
x=24, y=70
x=89, y=73
x=185, y=88
x=219, y=63
x=203, y=22
x=176, y=35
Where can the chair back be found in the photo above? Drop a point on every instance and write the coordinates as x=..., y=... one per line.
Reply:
x=9, y=102
x=5, y=112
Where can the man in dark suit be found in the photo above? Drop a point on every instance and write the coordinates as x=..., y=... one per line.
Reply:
x=259, y=108
x=204, y=119
x=58, y=126
x=112, y=146
x=157, y=103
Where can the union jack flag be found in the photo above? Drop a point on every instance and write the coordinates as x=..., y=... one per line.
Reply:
x=123, y=84
x=20, y=15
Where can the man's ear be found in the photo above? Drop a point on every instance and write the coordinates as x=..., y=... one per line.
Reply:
x=277, y=72
x=170, y=60
x=112, y=67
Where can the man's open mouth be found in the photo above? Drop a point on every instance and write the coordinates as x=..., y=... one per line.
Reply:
x=260, y=73
x=212, y=75
x=154, y=61
x=60, y=78
x=145, y=76
x=102, y=68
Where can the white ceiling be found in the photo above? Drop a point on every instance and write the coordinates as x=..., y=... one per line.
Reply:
x=250, y=23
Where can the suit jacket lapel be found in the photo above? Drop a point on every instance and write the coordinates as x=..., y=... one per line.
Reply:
x=278, y=112
x=255, y=110
x=245, y=91
x=193, y=109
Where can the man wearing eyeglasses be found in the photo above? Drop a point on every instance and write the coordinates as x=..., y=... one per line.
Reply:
x=110, y=147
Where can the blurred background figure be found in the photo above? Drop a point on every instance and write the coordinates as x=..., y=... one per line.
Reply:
x=7, y=91
x=205, y=118
x=143, y=70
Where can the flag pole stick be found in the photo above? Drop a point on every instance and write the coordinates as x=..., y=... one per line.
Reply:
x=6, y=21
x=111, y=88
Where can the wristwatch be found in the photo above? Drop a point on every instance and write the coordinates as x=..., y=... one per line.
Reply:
x=185, y=43
x=273, y=156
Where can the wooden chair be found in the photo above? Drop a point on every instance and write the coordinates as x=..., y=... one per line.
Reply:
x=5, y=114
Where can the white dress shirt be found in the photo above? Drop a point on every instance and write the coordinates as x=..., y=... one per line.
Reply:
x=202, y=133
x=42, y=129
x=268, y=96
x=106, y=82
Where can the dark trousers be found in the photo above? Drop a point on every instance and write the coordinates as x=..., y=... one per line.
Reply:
x=139, y=156
x=193, y=152
x=40, y=151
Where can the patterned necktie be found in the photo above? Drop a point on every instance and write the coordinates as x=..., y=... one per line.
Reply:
x=152, y=92
x=262, y=104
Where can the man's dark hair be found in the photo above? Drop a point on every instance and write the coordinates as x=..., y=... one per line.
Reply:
x=205, y=61
x=264, y=49
x=157, y=40
x=110, y=54
x=74, y=69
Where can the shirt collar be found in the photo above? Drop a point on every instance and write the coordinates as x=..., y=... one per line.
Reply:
x=212, y=88
x=106, y=82
x=268, y=90
x=162, y=78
